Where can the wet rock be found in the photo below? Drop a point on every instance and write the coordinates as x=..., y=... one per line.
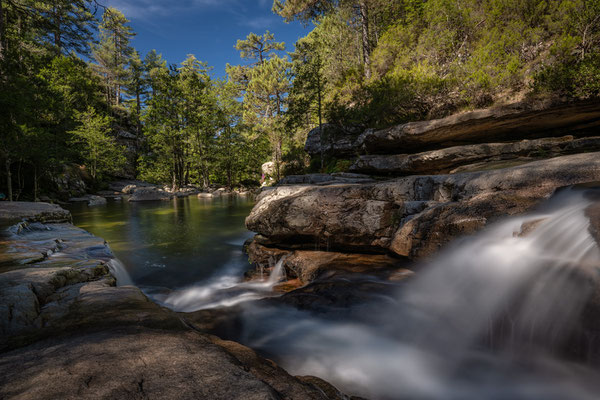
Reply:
x=411, y=216
x=449, y=159
x=428, y=231
x=528, y=227
x=150, y=194
x=13, y=212
x=308, y=266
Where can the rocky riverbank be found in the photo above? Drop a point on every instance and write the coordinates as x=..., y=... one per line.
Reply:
x=68, y=331
x=428, y=183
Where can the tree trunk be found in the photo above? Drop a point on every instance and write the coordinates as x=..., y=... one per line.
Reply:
x=35, y=184
x=366, y=47
x=57, y=36
x=9, y=179
x=321, y=138
x=1, y=31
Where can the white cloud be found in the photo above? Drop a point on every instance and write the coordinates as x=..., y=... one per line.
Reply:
x=262, y=23
x=144, y=9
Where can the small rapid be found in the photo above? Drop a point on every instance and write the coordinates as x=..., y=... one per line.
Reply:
x=489, y=317
x=227, y=288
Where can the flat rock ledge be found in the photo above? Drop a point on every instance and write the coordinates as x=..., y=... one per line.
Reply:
x=498, y=124
x=411, y=216
x=68, y=332
x=16, y=211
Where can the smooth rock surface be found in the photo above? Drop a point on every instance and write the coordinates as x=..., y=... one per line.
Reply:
x=393, y=215
x=13, y=212
x=144, y=364
x=448, y=159
x=512, y=122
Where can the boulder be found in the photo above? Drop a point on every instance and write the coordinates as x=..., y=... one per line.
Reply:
x=337, y=141
x=310, y=265
x=96, y=201
x=411, y=216
x=268, y=169
x=150, y=194
x=146, y=363
x=449, y=159
x=512, y=122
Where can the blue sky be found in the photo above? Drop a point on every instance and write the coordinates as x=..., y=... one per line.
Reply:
x=206, y=28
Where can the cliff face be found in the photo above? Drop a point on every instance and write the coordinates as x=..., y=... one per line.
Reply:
x=518, y=131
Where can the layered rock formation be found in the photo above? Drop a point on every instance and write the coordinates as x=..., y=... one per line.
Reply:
x=411, y=216
x=501, y=124
x=68, y=332
x=438, y=180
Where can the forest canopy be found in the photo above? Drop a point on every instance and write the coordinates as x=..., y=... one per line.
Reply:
x=77, y=98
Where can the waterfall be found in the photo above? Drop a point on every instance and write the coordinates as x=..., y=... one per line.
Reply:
x=487, y=318
x=117, y=269
x=277, y=273
x=225, y=289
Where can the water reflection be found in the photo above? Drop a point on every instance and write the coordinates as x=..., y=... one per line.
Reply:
x=171, y=244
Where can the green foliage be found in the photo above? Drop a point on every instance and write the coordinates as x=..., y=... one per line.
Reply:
x=112, y=54
x=101, y=154
x=257, y=47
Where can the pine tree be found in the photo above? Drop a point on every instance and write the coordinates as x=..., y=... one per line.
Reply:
x=257, y=47
x=309, y=10
x=136, y=88
x=153, y=62
x=113, y=53
x=71, y=25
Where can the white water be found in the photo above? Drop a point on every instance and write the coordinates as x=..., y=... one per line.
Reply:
x=118, y=270
x=483, y=320
x=223, y=290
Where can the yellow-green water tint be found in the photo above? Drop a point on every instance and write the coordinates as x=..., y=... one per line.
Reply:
x=170, y=243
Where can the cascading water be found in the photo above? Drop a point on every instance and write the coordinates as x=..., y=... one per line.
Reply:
x=223, y=290
x=488, y=318
x=118, y=270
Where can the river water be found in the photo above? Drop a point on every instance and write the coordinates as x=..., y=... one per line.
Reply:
x=492, y=317
x=171, y=244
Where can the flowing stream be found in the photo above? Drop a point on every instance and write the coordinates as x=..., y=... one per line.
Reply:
x=490, y=317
